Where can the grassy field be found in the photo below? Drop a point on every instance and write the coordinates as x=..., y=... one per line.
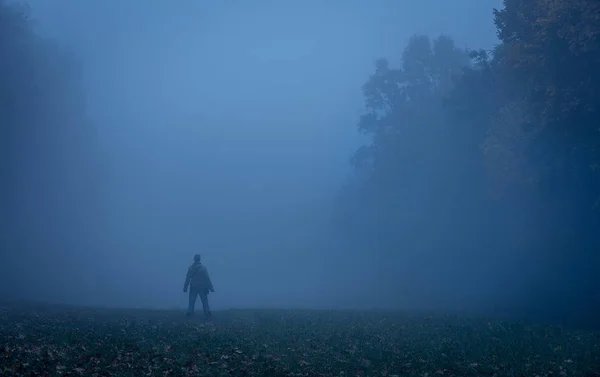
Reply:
x=45, y=340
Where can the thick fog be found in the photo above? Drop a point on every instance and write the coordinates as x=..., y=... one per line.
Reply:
x=225, y=128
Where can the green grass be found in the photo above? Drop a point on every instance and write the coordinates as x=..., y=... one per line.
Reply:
x=45, y=340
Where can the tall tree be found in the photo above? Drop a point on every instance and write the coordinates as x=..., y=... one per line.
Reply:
x=534, y=101
x=553, y=47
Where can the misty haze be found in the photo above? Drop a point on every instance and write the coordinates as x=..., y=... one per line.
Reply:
x=417, y=172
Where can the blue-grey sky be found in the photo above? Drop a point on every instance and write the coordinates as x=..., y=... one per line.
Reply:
x=227, y=127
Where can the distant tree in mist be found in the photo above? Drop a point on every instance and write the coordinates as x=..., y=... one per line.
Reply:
x=50, y=163
x=409, y=179
x=404, y=119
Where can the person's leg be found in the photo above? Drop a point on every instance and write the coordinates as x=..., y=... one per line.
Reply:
x=192, y=301
x=205, y=306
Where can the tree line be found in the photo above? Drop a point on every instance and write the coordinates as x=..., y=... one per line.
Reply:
x=50, y=164
x=487, y=162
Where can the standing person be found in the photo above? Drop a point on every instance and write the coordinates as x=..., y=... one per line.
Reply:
x=199, y=284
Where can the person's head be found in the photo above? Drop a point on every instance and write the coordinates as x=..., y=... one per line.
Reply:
x=197, y=258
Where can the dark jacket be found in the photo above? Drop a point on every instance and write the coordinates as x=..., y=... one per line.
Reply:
x=197, y=277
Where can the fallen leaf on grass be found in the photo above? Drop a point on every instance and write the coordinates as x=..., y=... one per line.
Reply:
x=154, y=342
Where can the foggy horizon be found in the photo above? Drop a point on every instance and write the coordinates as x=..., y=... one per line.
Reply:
x=227, y=130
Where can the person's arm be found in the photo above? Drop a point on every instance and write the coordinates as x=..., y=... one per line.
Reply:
x=210, y=285
x=188, y=277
